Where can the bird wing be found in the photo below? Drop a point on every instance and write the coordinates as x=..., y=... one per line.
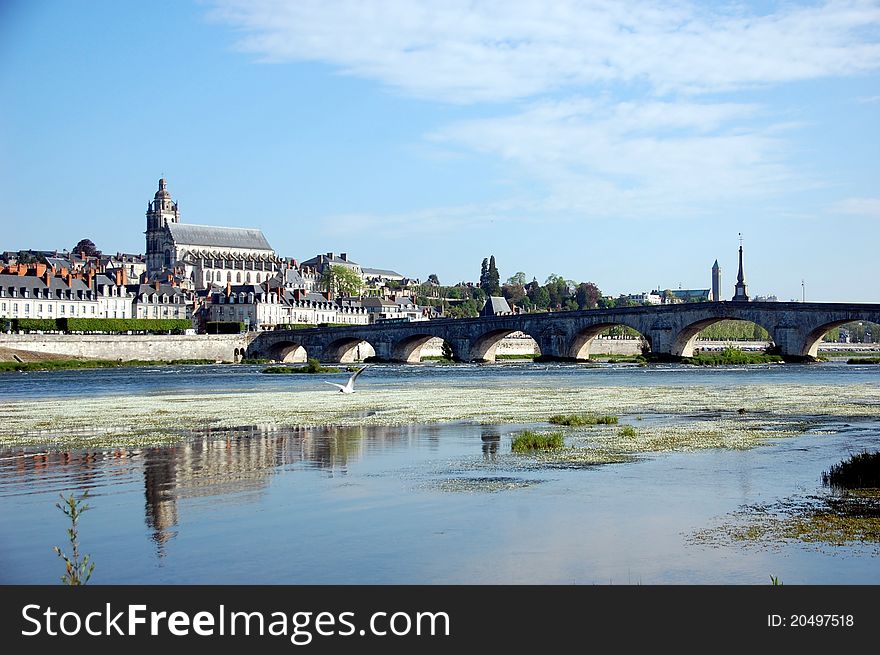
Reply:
x=335, y=385
x=356, y=373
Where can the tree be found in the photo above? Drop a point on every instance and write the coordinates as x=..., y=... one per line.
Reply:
x=433, y=279
x=514, y=293
x=86, y=247
x=587, y=295
x=519, y=278
x=492, y=279
x=484, y=273
x=341, y=280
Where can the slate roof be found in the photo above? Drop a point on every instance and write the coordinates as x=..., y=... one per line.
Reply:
x=495, y=305
x=208, y=236
x=380, y=272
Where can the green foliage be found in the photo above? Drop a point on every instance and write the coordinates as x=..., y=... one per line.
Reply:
x=587, y=295
x=774, y=581
x=87, y=247
x=224, y=327
x=64, y=364
x=78, y=569
x=627, y=431
x=577, y=420
x=312, y=366
x=860, y=471
x=863, y=360
x=34, y=325
x=446, y=351
x=732, y=330
x=731, y=356
x=255, y=360
x=342, y=280
x=116, y=325
x=528, y=441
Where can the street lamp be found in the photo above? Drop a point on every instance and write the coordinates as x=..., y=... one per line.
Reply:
x=803, y=291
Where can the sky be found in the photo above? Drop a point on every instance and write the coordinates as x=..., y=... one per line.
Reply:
x=626, y=143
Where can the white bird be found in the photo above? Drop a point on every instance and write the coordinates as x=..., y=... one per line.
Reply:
x=349, y=386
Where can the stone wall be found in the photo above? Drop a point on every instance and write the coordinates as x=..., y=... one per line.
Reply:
x=128, y=347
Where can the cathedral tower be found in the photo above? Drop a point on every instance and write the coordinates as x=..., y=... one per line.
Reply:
x=160, y=212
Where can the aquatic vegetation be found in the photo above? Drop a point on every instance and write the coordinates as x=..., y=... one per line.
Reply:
x=312, y=366
x=627, y=431
x=78, y=569
x=851, y=519
x=863, y=360
x=858, y=472
x=529, y=440
x=484, y=484
x=577, y=420
x=64, y=364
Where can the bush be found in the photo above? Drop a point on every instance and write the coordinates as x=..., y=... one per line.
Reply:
x=224, y=327
x=577, y=420
x=116, y=325
x=529, y=440
x=34, y=324
x=627, y=431
x=861, y=471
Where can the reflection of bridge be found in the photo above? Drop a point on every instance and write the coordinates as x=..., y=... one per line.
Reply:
x=795, y=328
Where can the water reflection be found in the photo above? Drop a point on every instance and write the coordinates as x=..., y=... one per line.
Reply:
x=491, y=437
x=235, y=465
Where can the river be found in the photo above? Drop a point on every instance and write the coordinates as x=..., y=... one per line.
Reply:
x=412, y=478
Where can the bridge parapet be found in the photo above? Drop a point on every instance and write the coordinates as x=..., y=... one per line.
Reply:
x=796, y=329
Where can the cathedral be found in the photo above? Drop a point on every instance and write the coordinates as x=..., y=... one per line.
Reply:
x=204, y=255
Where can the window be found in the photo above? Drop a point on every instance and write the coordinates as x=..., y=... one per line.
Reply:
x=72, y=310
x=40, y=308
x=62, y=309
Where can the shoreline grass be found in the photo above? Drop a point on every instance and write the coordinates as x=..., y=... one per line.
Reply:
x=529, y=440
x=863, y=360
x=66, y=364
x=578, y=420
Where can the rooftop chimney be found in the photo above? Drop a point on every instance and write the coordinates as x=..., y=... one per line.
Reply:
x=343, y=256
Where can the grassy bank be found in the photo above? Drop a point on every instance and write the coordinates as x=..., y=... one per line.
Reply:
x=863, y=360
x=619, y=359
x=62, y=364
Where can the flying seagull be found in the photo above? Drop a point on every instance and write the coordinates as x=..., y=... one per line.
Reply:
x=349, y=386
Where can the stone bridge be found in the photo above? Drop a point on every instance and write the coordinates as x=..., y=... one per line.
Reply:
x=795, y=328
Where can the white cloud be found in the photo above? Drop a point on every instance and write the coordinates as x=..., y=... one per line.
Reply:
x=631, y=159
x=869, y=207
x=462, y=51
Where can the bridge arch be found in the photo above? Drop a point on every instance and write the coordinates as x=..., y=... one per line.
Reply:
x=346, y=350
x=686, y=339
x=814, y=337
x=409, y=348
x=485, y=346
x=288, y=352
x=582, y=342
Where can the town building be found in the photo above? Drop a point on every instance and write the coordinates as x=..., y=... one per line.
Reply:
x=204, y=254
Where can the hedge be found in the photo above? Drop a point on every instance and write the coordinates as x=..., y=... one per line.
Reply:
x=34, y=324
x=150, y=325
x=224, y=327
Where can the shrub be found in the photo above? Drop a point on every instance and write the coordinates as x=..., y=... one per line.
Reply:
x=528, y=440
x=115, y=325
x=627, y=431
x=861, y=471
x=34, y=324
x=577, y=420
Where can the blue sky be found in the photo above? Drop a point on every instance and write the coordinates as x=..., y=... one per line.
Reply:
x=624, y=143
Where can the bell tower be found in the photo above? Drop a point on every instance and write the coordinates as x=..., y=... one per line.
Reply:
x=161, y=211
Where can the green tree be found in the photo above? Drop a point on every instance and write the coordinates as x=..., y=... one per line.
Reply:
x=341, y=280
x=484, y=273
x=87, y=247
x=433, y=279
x=493, y=285
x=519, y=278
x=587, y=295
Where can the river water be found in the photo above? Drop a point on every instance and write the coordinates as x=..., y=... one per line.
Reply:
x=418, y=503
